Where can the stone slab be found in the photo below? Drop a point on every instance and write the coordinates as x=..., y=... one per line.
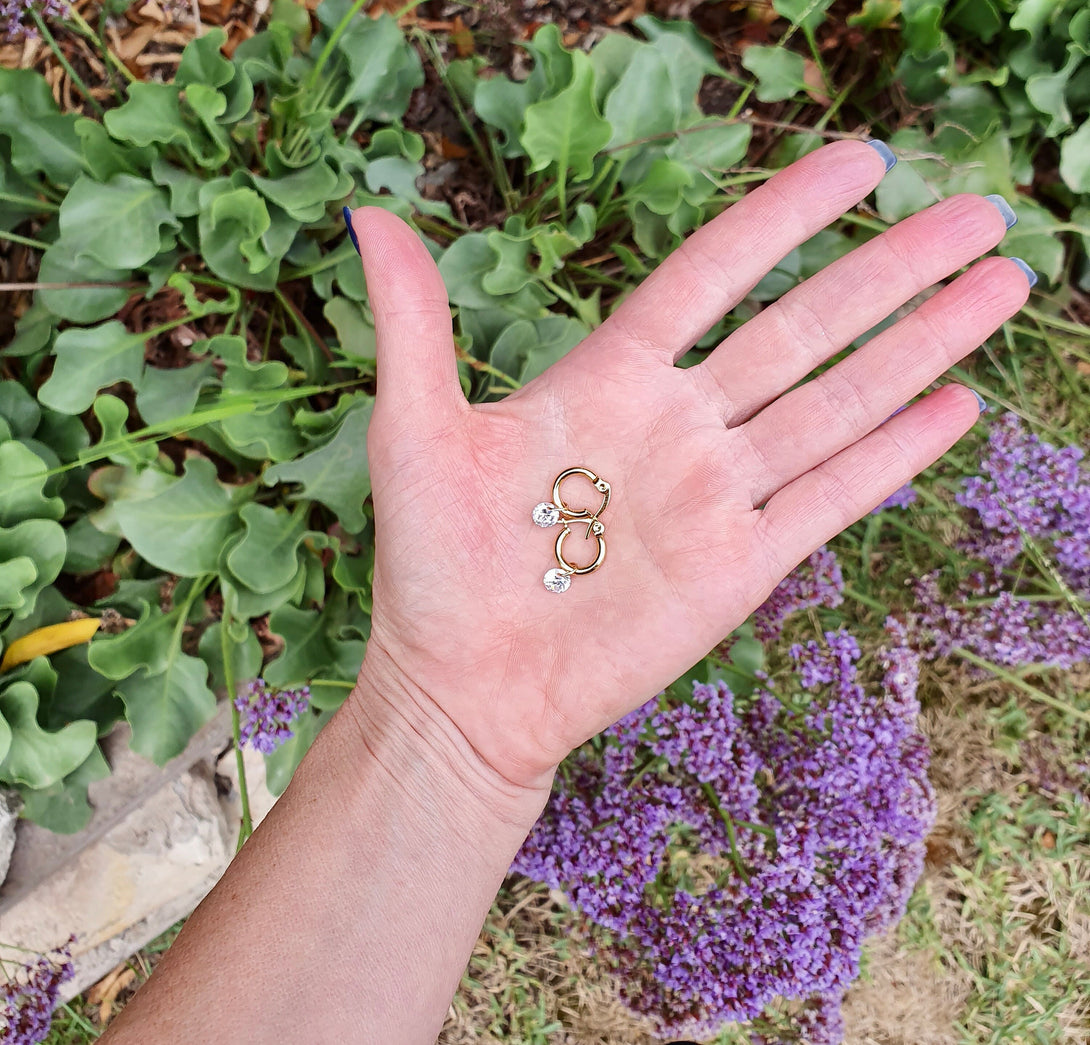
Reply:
x=158, y=843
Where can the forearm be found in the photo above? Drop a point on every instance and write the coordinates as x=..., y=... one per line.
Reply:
x=353, y=909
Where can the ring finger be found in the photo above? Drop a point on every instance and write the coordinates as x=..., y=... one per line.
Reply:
x=810, y=424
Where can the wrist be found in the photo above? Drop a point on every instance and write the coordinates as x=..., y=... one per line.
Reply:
x=398, y=726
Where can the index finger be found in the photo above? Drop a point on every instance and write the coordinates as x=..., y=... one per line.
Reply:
x=720, y=263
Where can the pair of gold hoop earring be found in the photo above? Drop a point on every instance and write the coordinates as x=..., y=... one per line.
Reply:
x=549, y=513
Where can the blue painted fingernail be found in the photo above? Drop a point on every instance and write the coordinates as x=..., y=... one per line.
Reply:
x=884, y=151
x=1026, y=270
x=347, y=212
x=1004, y=208
x=981, y=400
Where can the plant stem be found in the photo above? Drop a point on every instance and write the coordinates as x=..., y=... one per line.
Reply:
x=81, y=24
x=83, y=89
x=331, y=43
x=30, y=201
x=26, y=241
x=1020, y=683
x=246, y=828
x=735, y=856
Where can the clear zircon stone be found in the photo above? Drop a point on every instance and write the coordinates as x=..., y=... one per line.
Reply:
x=557, y=580
x=546, y=514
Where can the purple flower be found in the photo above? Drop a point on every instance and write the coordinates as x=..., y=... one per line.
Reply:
x=901, y=498
x=15, y=16
x=815, y=582
x=29, y=997
x=266, y=714
x=734, y=856
x=1026, y=490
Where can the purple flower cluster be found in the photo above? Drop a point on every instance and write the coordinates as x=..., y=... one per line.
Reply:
x=14, y=16
x=1026, y=485
x=1026, y=489
x=740, y=856
x=267, y=713
x=28, y=998
x=815, y=582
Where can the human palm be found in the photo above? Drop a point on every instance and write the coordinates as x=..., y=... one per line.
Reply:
x=723, y=476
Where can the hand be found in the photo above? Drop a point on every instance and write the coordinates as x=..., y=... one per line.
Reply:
x=723, y=475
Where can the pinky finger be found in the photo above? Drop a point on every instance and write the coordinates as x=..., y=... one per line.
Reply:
x=816, y=506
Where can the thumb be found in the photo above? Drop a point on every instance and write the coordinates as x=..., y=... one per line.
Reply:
x=417, y=367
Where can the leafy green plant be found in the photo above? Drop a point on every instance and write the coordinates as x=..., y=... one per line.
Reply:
x=190, y=400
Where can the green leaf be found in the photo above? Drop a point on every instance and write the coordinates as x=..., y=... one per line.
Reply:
x=464, y=266
x=104, y=157
x=37, y=758
x=335, y=474
x=354, y=327
x=80, y=692
x=304, y=193
x=80, y=304
x=37, y=543
x=1037, y=239
x=1075, y=159
x=165, y=710
x=184, y=187
x=567, y=130
x=16, y=576
x=24, y=486
x=87, y=360
x=780, y=73
x=312, y=650
x=645, y=104
x=232, y=225
x=113, y=417
x=88, y=548
x=93, y=212
x=662, y=187
x=19, y=408
x=383, y=69
x=526, y=349
x=182, y=529
x=42, y=140
x=163, y=395
x=610, y=58
x=876, y=14
x=808, y=14
x=202, y=61
x=265, y=558
x=165, y=691
x=265, y=433
x=245, y=655
x=63, y=807
x=502, y=103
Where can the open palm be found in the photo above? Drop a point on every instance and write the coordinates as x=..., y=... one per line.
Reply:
x=723, y=476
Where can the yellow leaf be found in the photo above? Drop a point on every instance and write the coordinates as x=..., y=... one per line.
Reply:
x=50, y=639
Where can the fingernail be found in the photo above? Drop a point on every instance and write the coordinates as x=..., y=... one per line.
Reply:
x=980, y=400
x=347, y=212
x=1026, y=270
x=884, y=151
x=1004, y=208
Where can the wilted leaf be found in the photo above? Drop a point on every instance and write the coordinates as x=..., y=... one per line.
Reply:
x=50, y=639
